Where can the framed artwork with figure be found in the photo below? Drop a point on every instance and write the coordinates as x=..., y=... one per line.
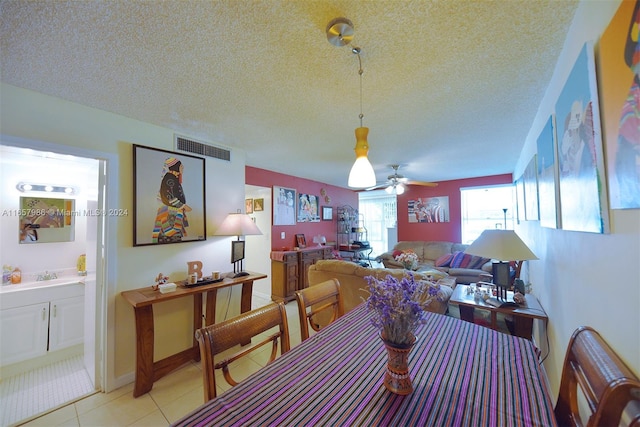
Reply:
x=168, y=197
x=284, y=206
x=619, y=80
x=583, y=195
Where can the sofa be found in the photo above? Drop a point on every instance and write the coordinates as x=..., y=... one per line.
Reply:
x=447, y=257
x=353, y=285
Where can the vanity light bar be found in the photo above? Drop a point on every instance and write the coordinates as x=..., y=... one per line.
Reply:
x=47, y=188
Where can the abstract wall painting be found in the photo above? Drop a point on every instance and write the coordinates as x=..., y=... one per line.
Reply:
x=530, y=179
x=520, y=198
x=619, y=55
x=548, y=193
x=429, y=209
x=583, y=193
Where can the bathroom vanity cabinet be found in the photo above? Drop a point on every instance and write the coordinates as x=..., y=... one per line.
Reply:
x=32, y=327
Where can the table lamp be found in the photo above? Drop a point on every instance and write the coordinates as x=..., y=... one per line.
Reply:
x=237, y=224
x=504, y=246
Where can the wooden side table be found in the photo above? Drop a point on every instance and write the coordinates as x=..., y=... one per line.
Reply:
x=523, y=316
x=143, y=299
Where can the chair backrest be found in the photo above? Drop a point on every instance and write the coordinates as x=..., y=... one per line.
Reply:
x=607, y=384
x=220, y=337
x=314, y=304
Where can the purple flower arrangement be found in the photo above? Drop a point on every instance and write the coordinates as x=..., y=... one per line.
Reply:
x=399, y=305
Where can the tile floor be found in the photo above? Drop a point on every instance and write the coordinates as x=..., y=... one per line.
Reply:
x=170, y=398
x=41, y=389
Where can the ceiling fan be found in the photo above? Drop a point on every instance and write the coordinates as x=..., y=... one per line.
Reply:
x=396, y=183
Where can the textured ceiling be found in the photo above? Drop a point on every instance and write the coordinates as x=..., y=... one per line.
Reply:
x=451, y=88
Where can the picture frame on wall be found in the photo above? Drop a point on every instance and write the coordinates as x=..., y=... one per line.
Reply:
x=258, y=205
x=301, y=241
x=327, y=213
x=583, y=195
x=619, y=93
x=548, y=193
x=248, y=206
x=284, y=205
x=171, y=208
x=308, y=210
x=530, y=180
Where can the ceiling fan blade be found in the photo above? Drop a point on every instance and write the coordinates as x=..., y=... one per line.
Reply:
x=422, y=183
x=377, y=186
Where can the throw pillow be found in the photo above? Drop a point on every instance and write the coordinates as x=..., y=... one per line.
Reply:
x=477, y=262
x=396, y=253
x=456, y=259
x=460, y=260
x=444, y=260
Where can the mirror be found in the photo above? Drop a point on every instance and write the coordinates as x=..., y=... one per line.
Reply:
x=45, y=220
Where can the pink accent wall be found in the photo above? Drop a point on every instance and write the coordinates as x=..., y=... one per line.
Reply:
x=339, y=196
x=445, y=231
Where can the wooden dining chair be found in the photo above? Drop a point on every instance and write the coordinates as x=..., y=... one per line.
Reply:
x=607, y=384
x=319, y=305
x=216, y=338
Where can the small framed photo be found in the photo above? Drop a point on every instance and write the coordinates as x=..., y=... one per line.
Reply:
x=327, y=213
x=258, y=205
x=301, y=241
x=248, y=206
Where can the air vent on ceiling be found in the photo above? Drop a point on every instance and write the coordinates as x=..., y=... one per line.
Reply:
x=191, y=146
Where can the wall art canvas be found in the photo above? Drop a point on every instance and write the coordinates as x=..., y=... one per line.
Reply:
x=248, y=206
x=258, y=205
x=308, y=210
x=619, y=56
x=429, y=209
x=530, y=180
x=168, y=197
x=548, y=193
x=284, y=206
x=583, y=193
x=519, y=183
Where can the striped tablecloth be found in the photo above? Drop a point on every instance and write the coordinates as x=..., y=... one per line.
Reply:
x=463, y=375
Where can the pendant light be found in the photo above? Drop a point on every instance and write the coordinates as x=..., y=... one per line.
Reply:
x=340, y=33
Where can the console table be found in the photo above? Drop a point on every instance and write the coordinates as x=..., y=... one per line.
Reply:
x=523, y=316
x=143, y=299
x=290, y=270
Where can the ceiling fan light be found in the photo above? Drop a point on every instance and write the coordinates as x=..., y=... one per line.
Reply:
x=389, y=189
x=399, y=189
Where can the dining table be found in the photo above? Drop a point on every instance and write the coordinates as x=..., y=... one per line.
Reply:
x=463, y=374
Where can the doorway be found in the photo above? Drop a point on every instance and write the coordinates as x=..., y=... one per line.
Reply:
x=89, y=171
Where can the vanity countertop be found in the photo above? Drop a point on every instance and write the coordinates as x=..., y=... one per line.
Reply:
x=35, y=292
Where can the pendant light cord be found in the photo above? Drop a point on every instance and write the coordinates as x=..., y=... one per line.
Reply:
x=356, y=51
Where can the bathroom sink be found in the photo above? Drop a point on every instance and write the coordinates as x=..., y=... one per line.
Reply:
x=42, y=283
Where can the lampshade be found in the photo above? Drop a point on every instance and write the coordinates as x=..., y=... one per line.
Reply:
x=362, y=174
x=502, y=245
x=237, y=224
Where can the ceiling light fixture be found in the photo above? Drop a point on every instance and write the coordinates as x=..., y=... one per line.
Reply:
x=26, y=187
x=340, y=33
x=395, y=188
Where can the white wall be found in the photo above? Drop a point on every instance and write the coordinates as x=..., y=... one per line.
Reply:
x=30, y=115
x=584, y=278
x=258, y=248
